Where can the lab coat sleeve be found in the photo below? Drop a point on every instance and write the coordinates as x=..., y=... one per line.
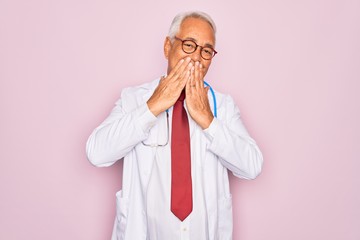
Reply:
x=230, y=141
x=121, y=131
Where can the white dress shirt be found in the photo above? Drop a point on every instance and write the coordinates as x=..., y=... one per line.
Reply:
x=159, y=192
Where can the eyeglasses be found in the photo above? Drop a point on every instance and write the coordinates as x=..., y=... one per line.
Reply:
x=189, y=46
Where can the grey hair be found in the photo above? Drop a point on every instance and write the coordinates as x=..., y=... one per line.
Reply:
x=177, y=21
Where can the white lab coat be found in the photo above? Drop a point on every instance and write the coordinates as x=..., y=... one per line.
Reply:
x=225, y=145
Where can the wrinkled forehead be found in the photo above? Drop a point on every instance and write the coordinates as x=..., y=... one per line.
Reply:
x=198, y=30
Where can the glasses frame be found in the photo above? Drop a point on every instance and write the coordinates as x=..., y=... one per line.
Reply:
x=197, y=45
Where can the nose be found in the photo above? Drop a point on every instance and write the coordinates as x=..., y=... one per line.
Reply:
x=196, y=56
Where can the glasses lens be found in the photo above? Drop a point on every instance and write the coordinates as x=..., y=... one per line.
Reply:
x=207, y=53
x=189, y=46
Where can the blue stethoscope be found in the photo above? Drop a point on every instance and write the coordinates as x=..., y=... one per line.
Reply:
x=167, y=120
x=213, y=97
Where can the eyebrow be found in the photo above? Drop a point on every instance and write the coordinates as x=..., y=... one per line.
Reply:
x=206, y=44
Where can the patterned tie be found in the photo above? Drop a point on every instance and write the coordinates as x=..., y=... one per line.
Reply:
x=181, y=189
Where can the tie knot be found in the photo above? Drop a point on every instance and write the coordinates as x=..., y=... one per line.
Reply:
x=182, y=96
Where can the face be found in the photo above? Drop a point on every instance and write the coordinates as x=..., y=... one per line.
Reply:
x=194, y=29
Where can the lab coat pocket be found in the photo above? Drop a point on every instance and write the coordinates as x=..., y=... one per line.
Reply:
x=225, y=218
x=122, y=206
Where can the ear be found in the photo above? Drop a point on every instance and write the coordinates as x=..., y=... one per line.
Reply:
x=167, y=47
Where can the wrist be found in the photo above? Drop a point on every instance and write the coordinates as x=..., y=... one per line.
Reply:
x=206, y=122
x=152, y=107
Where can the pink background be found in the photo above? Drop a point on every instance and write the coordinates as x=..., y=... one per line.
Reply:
x=293, y=67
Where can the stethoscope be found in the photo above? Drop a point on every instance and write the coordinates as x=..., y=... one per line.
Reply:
x=167, y=119
x=213, y=97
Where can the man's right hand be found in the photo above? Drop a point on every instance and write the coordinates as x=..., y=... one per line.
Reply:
x=170, y=87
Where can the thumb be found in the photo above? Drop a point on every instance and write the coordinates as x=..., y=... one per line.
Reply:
x=207, y=89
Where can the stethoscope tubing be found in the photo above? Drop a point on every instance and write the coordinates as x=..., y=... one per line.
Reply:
x=214, y=98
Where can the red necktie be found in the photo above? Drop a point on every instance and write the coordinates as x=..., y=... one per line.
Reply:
x=181, y=189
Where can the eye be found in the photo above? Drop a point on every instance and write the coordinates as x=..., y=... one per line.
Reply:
x=208, y=51
x=188, y=44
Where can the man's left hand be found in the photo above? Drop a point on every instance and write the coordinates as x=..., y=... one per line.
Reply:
x=197, y=101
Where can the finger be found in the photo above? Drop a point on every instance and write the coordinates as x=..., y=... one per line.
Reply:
x=202, y=70
x=197, y=76
x=207, y=89
x=201, y=76
x=179, y=68
x=188, y=82
x=161, y=79
x=184, y=76
x=188, y=87
x=193, y=79
x=175, y=69
x=180, y=79
x=185, y=79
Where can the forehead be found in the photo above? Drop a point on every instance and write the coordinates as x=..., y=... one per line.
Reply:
x=197, y=29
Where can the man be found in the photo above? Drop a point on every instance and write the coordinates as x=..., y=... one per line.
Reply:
x=176, y=153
